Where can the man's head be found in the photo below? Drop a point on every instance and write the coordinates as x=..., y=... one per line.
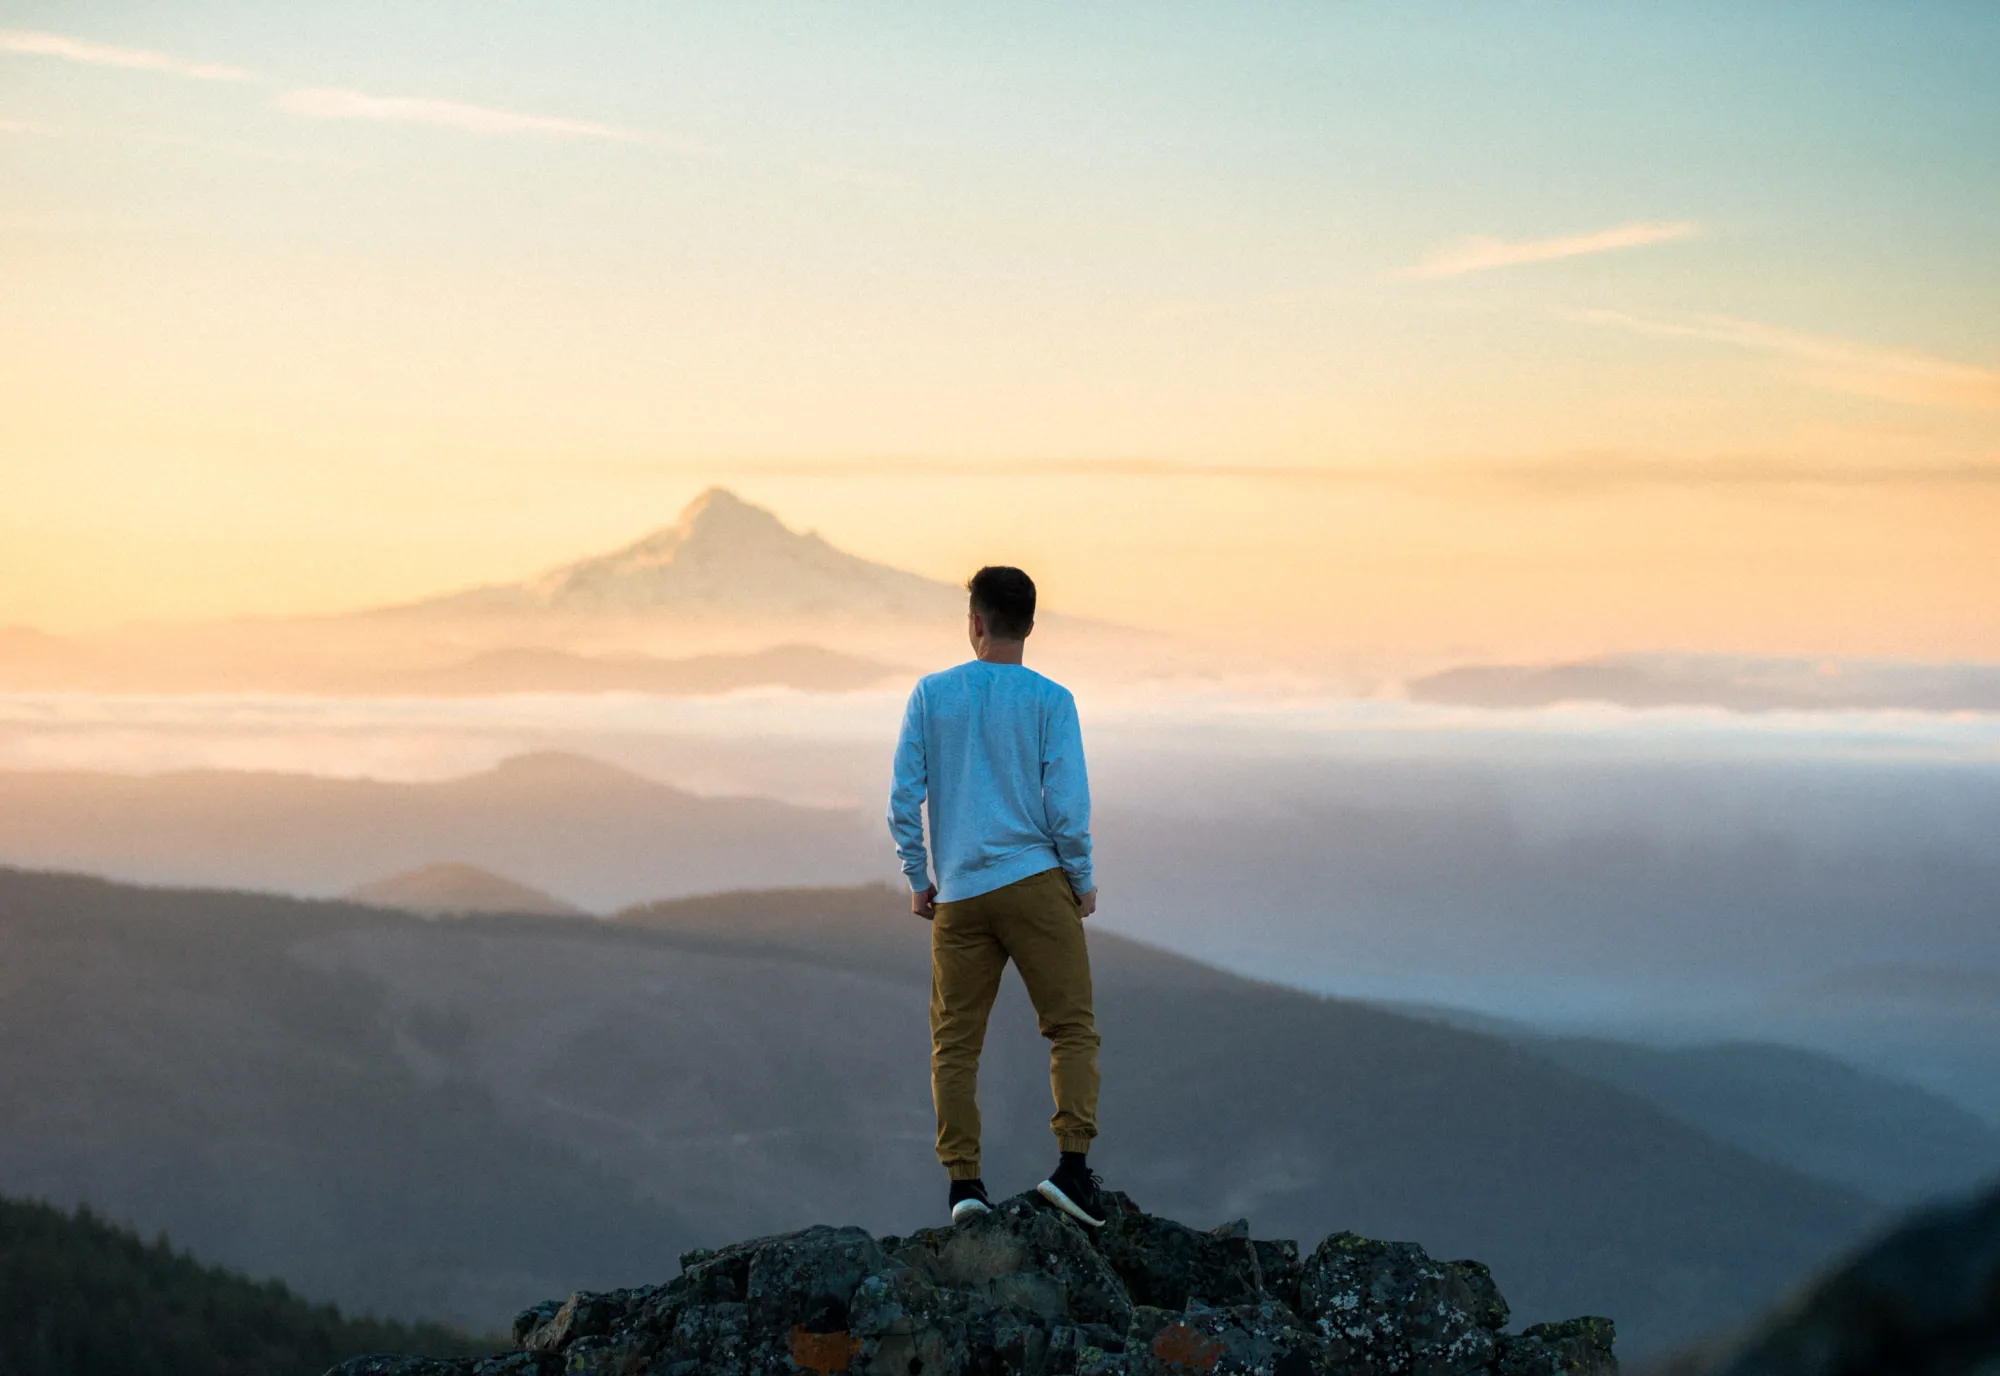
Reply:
x=1003, y=603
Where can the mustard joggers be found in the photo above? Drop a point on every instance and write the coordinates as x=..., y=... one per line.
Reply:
x=1038, y=924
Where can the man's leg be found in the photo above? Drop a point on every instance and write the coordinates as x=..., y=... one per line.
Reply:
x=1041, y=927
x=966, y=964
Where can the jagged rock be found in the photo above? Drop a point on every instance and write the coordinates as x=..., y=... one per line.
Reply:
x=1489, y=1308
x=1025, y=1290
x=1578, y=1347
x=1387, y=1307
x=550, y=1327
x=1168, y=1265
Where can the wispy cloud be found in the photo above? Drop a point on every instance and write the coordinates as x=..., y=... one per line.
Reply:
x=34, y=43
x=1846, y=365
x=326, y=102
x=1483, y=254
x=329, y=102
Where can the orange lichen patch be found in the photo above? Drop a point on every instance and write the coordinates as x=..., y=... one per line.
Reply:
x=822, y=1351
x=1178, y=1345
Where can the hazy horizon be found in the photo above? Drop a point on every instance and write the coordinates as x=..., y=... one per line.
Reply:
x=1665, y=873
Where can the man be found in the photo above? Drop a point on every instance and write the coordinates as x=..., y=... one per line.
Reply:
x=996, y=751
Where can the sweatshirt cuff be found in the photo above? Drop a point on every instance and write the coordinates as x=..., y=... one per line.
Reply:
x=1083, y=882
x=918, y=882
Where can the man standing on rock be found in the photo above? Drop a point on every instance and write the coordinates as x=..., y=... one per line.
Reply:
x=996, y=750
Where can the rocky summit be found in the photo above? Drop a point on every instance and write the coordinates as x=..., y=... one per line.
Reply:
x=1026, y=1290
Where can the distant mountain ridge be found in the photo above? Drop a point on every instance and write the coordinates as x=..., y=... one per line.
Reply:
x=1809, y=1111
x=727, y=596
x=565, y=824
x=451, y=889
x=721, y=556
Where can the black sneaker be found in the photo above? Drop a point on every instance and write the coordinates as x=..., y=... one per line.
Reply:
x=1073, y=1187
x=968, y=1198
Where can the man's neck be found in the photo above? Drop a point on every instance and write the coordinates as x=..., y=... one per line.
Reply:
x=991, y=651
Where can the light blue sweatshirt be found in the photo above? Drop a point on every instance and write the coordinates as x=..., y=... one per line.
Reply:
x=997, y=751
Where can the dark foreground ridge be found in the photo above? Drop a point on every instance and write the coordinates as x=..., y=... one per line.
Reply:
x=80, y=1296
x=1923, y=1301
x=1025, y=1290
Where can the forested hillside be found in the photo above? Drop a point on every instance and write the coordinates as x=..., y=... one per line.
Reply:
x=82, y=1297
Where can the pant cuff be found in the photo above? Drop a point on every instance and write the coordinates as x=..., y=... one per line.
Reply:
x=962, y=1170
x=1074, y=1141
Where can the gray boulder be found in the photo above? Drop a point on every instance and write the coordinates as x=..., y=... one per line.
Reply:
x=1025, y=1290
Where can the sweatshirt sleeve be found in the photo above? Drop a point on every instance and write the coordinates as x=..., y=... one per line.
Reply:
x=1066, y=792
x=907, y=790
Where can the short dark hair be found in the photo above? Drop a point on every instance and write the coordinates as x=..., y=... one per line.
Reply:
x=1005, y=599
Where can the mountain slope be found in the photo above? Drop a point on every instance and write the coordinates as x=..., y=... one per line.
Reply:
x=1892, y=1141
x=166, y=1058
x=1945, y=1019
x=1808, y=1111
x=468, y=1116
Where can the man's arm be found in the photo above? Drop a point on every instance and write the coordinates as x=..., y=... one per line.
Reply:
x=1066, y=799
x=907, y=790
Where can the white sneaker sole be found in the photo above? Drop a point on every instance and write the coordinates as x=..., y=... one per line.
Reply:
x=1047, y=1190
x=967, y=1208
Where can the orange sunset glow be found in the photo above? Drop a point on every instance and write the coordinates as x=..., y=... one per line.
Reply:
x=299, y=330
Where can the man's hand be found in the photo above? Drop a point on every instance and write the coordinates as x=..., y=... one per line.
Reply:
x=923, y=902
x=1088, y=902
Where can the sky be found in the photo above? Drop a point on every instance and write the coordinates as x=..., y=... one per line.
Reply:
x=1446, y=330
